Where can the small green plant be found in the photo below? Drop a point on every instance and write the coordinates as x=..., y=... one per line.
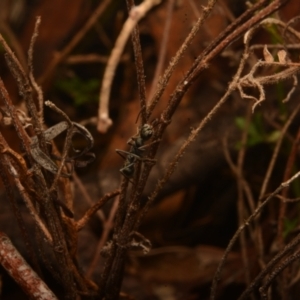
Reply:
x=289, y=226
x=81, y=91
x=256, y=131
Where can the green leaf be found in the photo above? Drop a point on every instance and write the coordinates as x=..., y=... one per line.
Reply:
x=289, y=226
x=273, y=136
x=81, y=91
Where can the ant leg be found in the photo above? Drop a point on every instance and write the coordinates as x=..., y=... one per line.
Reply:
x=142, y=148
x=122, y=153
x=130, y=156
x=127, y=171
x=133, y=141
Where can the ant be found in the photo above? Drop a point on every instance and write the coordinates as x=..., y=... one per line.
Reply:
x=137, y=144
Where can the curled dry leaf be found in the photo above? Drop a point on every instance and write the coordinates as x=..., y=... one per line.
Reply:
x=267, y=55
x=282, y=56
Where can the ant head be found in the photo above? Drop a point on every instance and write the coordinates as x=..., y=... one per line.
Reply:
x=146, y=131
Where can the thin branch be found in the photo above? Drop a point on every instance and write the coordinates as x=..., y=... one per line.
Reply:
x=287, y=173
x=33, y=212
x=139, y=65
x=240, y=187
x=108, y=226
x=135, y=15
x=86, y=195
x=67, y=143
x=14, y=41
x=162, y=83
x=257, y=211
x=233, y=168
x=263, y=290
x=21, y=272
x=163, y=48
x=276, y=151
x=289, y=247
x=36, y=87
x=89, y=59
x=87, y=216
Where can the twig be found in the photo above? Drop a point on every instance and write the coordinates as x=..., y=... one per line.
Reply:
x=119, y=220
x=5, y=167
x=87, y=216
x=280, y=268
x=288, y=170
x=24, y=138
x=14, y=41
x=276, y=151
x=287, y=200
x=162, y=83
x=163, y=48
x=88, y=58
x=33, y=211
x=139, y=65
x=289, y=247
x=21, y=272
x=240, y=187
x=36, y=87
x=67, y=143
x=9, y=154
x=86, y=195
x=106, y=230
x=216, y=278
x=135, y=15
x=26, y=91
x=259, y=244
x=233, y=168
x=283, y=283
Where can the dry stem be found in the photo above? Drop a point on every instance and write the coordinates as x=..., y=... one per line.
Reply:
x=135, y=15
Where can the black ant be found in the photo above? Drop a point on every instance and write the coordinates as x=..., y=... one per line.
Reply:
x=137, y=144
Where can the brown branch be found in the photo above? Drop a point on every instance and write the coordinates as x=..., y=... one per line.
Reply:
x=33, y=82
x=21, y=272
x=257, y=211
x=287, y=173
x=139, y=65
x=14, y=41
x=276, y=151
x=240, y=202
x=163, y=48
x=135, y=15
x=108, y=226
x=86, y=195
x=288, y=248
x=88, y=58
x=162, y=83
x=263, y=290
x=87, y=216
